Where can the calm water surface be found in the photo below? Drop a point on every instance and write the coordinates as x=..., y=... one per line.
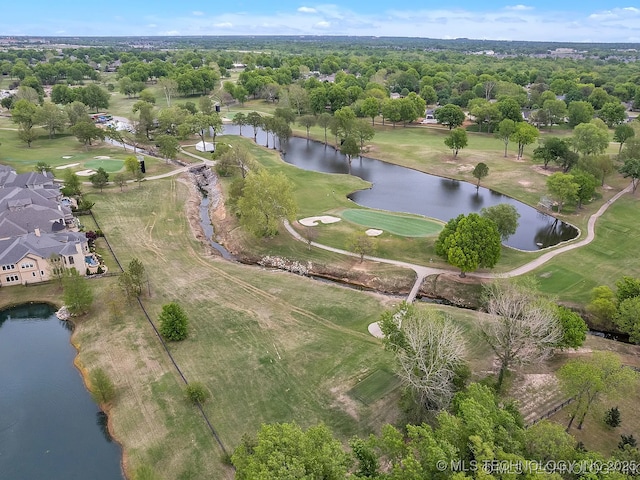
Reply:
x=401, y=189
x=50, y=428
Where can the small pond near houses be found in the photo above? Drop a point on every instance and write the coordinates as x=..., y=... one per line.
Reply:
x=50, y=427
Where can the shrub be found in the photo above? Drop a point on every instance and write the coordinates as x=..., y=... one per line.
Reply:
x=196, y=393
x=612, y=417
x=627, y=440
x=173, y=322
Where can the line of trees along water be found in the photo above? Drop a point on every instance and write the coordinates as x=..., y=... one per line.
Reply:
x=49, y=425
x=400, y=189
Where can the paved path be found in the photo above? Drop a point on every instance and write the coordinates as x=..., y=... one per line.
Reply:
x=423, y=271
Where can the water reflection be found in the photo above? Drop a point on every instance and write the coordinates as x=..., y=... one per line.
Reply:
x=401, y=189
x=102, y=421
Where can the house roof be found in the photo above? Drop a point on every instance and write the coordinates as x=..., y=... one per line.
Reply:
x=13, y=250
x=12, y=198
x=9, y=178
x=35, y=216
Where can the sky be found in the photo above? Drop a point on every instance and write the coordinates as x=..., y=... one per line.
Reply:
x=559, y=20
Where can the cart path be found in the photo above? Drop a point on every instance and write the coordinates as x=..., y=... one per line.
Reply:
x=424, y=271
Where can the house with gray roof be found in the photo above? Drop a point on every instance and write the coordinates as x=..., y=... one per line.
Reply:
x=32, y=180
x=36, y=240
x=32, y=257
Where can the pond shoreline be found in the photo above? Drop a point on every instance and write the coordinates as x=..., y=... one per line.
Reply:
x=84, y=373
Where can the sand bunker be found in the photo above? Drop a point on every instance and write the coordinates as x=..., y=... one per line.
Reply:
x=373, y=232
x=66, y=157
x=85, y=173
x=62, y=167
x=313, y=221
x=375, y=330
x=102, y=157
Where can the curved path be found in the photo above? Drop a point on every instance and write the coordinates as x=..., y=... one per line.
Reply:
x=423, y=271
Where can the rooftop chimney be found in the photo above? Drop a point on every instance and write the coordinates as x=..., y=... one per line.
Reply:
x=37, y=232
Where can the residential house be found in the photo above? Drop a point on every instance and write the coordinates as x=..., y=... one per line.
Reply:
x=31, y=258
x=36, y=236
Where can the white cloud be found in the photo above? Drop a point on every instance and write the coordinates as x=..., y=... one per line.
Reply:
x=500, y=23
x=197, y=13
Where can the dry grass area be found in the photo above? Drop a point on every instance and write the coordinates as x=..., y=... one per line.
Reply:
x=269, y=346
x=538, y=391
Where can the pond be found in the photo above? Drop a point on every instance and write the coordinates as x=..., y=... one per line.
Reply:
x=400, y=189
x=49, y=425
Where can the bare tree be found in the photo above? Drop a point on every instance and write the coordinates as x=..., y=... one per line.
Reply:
x=523, y=327
x=429, y=349
x=169, y=88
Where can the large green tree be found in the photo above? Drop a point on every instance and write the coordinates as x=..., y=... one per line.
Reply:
x=588, y=139
x=623, y=133
x=505, y=216
x=524, y=135
x=450, y=115
x=579, y=112
x=574, y=328
x=87, y=132
x=94, y=97
x=562, y=188
x=469, y=242
x=480, y=171
x=631, y=169
x=24, y=114
x=506, y=128
x=613, y=113
x=266, y=199
x=168, y=146
x=100, y=179
x=51, y=117
x=588, y=380
x=456, y=140
x=174, y=324
x=77, y=293
x=285, y=451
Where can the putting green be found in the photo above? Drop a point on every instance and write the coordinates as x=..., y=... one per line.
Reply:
x=109, y=166
x=398, y=224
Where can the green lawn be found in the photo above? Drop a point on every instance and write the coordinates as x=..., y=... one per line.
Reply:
x=375, y=386
x=612, y=254
x=403, y=225
x=110, y=166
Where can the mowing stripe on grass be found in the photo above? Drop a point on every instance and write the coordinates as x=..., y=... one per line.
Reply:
x=375, y=386
x=402, y=225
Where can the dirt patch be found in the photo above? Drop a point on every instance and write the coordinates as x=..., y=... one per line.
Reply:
x=344, y=402
x=462, y=292
x=545, y=171
x=465, y=168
